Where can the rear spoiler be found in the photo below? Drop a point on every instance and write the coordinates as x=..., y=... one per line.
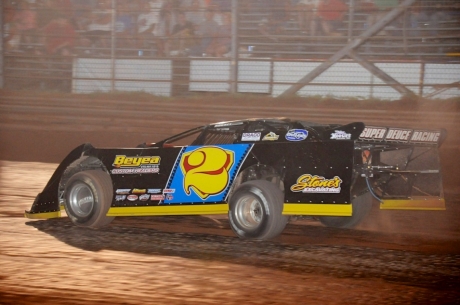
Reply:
x=403, y=135
x=401, y=166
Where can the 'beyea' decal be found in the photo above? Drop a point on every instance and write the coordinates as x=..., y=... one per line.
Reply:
x=123, y=164
x=205, y=173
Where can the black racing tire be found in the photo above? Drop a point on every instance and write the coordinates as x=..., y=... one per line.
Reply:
x=255, y=210
x=88, y=196
x=361, y=207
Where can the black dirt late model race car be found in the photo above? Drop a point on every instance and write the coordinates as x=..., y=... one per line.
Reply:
x=259, y=171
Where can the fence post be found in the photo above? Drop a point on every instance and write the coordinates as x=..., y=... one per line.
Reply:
x=422, y=79
x=234, y=49
x=351, y=14
x=112, y=47
x=2, y=50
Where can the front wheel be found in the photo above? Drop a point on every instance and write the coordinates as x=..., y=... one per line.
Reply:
x=88, y=196
x=256, y=210
x=361, y=206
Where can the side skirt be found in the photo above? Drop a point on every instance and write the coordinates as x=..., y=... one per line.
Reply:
x=415, y=203
x=317, y=209
x=169, y=210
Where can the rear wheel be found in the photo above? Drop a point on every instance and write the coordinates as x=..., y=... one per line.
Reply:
x=256, y=210
x=361, y=206
x=88, y=196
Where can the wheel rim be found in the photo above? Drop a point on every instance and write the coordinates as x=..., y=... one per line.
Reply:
x=81, y=199
x=249, y=212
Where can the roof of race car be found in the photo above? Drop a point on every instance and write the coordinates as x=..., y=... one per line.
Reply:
x=353, y=131
x=278, y=120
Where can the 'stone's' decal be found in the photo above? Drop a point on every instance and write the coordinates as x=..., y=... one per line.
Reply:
x=316, y=184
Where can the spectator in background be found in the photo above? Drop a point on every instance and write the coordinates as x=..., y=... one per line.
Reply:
x=305, y=14
x=25, y=20
x=330, y=15
x=125, y=27
x=147, y=21
x=64, y=8
x=382, y=7
x=46, y=11
x=279, y=15
x=207, y=31
x=174, y=6
x=99, y=30
x=11, y=37
x=163, y=31
x=276, y=22
x=59, y=37
x=221, y=44
x=195, y=11
x=183, y=33
x=224, y=6
x=426, y=20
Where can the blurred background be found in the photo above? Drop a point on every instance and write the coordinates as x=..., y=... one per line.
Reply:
x=359, y=49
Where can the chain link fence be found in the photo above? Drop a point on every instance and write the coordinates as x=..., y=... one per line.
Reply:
x=172, y=48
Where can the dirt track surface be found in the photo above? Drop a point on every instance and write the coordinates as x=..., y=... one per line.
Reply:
x=393, y=258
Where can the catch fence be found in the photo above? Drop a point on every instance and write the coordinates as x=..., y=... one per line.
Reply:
x=357, y=49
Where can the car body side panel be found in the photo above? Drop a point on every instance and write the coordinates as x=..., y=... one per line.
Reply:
x=168, y=181
x=178, y=176
x=314, y=172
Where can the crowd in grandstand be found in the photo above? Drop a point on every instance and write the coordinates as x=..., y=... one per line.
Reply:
x=180, y=27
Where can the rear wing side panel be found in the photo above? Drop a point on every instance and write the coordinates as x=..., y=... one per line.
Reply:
x=402, y=167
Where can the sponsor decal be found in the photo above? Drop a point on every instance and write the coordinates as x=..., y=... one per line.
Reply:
x=169, y=191
x=154, y=191
x=152, y=170
x=340, y=135
x=398, y=134
x=316, y=184
x=157, y=197
x=120, y=197
x=296, y=135
x=123, y=191
x=139, y=191
x=251, y=136
x=421, y=136
x=135, y=165
x=206, y=170
x=271, y=136
x=144, y=197
x=132, y=197
x=205, y=173
x=373, y=133
x=169, y=197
